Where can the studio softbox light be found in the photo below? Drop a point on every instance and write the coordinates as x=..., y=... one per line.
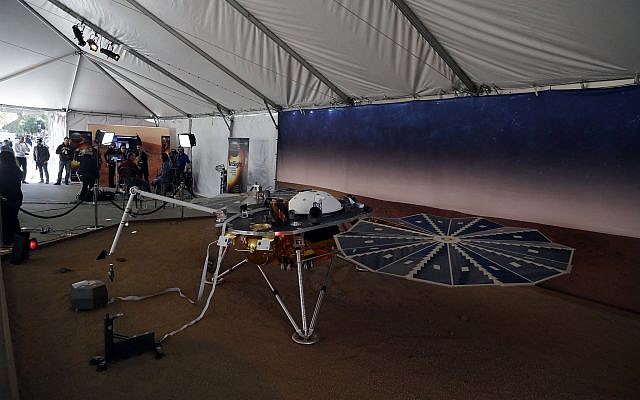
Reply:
x=187, y=140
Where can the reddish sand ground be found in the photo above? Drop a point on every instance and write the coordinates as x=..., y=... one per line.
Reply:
x=381, y=337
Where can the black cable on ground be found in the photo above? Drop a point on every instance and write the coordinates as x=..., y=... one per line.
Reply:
x=52, y=216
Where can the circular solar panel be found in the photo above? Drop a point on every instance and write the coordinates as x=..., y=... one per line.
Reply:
x=454, y=251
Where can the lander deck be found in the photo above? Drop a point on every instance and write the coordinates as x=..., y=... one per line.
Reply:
x=258, y=222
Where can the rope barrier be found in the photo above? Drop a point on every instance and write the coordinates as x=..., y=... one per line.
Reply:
x=52, y=216
x=140, y=214
x=82, y=201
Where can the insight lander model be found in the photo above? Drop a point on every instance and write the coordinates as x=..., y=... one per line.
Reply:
x=425, y=248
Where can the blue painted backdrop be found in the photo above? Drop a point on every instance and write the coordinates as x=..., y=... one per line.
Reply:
x=576, y=151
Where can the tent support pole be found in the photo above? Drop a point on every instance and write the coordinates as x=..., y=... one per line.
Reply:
x=271, y=115
x=225, y=119
x=435, y=44
x=34, y=67
x=75, y=78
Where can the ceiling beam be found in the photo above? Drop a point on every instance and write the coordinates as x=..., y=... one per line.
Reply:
x=107, y=67
x=254, y=20
x=34, y=67
x=114, y=80
x=75, y=78
x=203, y=53
x=435, y=44
x=136, y=54
x=49, y=24
x=62, y=110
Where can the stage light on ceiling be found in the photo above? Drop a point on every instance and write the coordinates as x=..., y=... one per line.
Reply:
x=77, y=32
x=93, y=45
x=108, y=51
x=187, y=139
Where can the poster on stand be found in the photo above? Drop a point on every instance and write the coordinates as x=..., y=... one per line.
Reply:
x=165, y=144
x=238, y=165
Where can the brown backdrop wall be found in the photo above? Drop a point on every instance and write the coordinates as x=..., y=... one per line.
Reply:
x=151, y=143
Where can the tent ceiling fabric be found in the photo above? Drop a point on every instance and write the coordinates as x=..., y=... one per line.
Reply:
x=367, y=50
x=518, y=43
x=25, y=44
x=45, y=87
x=95, y=90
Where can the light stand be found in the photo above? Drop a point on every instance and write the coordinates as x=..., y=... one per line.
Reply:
x=223, y=178
x=102, y=138
x=187, y=141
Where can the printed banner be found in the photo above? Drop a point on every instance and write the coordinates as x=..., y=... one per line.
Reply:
x=165, y=144
x=238, y=165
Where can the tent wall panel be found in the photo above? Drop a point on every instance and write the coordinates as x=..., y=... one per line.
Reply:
x=57, y=133
x=561, y=158
x=212, y=137
x=263, y=139
x=211, y=150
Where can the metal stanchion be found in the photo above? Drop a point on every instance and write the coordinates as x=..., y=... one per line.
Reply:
x=95, y=207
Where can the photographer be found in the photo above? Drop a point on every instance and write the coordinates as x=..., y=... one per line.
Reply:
x=65, y=151
x=88, y=171
x=41, y=157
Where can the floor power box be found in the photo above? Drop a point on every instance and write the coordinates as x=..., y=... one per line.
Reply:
x=88, y=295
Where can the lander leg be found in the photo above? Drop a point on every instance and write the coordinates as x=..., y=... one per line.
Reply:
x=305, y=334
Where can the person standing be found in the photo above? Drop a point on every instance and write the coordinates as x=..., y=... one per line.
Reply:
x=88, y=172
x=143, y=162
x=181, y=161
x=10, y=195
x=22, y=151
x=65, y=151
x=110, y=158
x=41, y=157
x=6, y=146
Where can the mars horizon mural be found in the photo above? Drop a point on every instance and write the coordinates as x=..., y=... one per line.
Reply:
x=565, y=158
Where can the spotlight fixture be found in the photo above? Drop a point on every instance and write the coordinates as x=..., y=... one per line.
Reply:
x=108, y=51
x=93, y=45
x=77, y=32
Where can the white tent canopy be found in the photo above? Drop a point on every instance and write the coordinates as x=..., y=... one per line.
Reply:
x=185, y=58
